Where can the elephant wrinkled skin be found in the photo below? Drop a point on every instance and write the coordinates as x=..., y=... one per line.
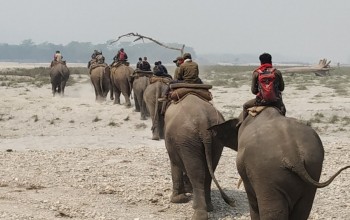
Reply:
x=279, y=160
x=121, y=83
x=59, y=74
x=192, y=150
x=100, y=79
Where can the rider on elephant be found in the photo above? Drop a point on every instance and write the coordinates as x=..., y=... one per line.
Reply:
x=188, y=72
x=57, y=58
x=178, y=61
x=257, y=88
x=159, y=71
x=94, y=57
x=121, y=57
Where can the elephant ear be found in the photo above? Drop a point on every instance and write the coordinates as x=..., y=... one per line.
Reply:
x=226, y=133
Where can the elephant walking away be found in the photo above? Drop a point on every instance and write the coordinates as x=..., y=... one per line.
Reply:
x=121, y=83
x=59, y=74
x=150, y=96
x=193, y=150
x=100, y=79
x=139, y=85
x=279, y=160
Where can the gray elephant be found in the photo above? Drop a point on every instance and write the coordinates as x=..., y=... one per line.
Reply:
x=100, y=79
x=279, y=160
x=139, y=85
x=150, y=96
x=59, y=74
x=193, y=150
x=121, y=83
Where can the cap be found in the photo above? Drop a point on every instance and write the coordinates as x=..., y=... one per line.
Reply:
x=178, y=58
x=187, y=56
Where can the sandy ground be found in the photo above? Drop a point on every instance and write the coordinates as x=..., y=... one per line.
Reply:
x=74, y=158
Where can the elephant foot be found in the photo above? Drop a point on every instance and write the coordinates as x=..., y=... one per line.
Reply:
x=180, y=198
x=137, y=110
x=200, y=215
x=128, y=105
x=143, y=118
x=155, y=137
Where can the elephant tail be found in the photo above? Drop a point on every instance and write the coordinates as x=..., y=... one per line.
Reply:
x=209, y=159
x=305, y=176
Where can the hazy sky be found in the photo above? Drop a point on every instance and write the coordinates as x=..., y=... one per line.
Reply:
x=298, y=28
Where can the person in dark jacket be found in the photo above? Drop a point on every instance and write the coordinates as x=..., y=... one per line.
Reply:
x=189, y=71
x=266, y=64
x=139, y=64
x=145, y=65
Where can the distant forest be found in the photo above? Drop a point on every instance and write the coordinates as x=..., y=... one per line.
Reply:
x=80, y=52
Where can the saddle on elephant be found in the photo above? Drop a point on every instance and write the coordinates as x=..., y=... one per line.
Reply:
x=179, y=91
x=119, y=63
x=140, y=73
x=95, y=65
x=162, y=79
x=55, y=62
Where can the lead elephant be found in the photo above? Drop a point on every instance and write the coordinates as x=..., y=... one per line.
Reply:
x=100, y=79
x=193, y=150
x=121, y=83
x=140, y=83
x=150, y=96
x=59, y=74
x=279, y=160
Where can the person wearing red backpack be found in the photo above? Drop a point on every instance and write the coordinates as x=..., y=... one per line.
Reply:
x=267, y=85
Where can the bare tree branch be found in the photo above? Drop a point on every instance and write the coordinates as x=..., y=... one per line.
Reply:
x=141, y=37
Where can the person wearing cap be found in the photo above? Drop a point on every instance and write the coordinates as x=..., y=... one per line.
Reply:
x=189, y=71
x=139, y=64
x=57, y=56
x=178, y=61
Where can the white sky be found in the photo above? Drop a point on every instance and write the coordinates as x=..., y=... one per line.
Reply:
x=299, y=28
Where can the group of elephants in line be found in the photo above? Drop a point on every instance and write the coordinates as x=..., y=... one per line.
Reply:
x=279, y=159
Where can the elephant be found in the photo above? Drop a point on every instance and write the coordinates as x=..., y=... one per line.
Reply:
x=100, y=79
x=139, y=86
x=121, y=83
x=193, y=150
x=279, y=160
x=59, y=74
x=150, y=96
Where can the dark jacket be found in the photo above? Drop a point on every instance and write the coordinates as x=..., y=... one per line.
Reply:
x=146, y=66
x=188, y=72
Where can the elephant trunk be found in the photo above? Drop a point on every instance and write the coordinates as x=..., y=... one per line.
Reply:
x=305, y=176
x=208, y=155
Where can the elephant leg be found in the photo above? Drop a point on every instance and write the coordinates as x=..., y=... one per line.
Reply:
x=127, y=100
x=187, y=183
x=137, y=105
x=196, y=169
x=302, y=208
x=63, y=85
x=117, y=96
x=272, y=204
x=178, y=195
x=53, y=88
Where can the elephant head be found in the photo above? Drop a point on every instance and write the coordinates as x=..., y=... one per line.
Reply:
x=270, y=148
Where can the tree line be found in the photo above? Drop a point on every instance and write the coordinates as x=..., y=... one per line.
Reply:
x=80, y=52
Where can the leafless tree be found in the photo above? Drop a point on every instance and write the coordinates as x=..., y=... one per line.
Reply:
x=141, y=37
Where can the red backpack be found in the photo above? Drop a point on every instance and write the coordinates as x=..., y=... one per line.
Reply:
x=266, y=85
